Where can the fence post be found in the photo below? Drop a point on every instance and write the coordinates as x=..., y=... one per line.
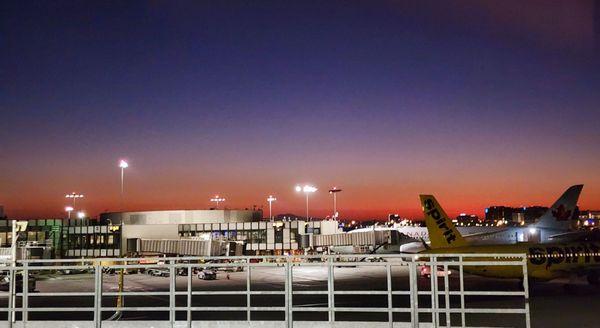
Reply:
x=526, y=290
x=172, y=281
x=25, y=297
x=189, y=297
x=248, y=296
x=288, y=295
x=12, y=297
x=414, y=293
x=98, y=296
x=390, y=298
x=447, y=295
x=330, y=290
x=461, y=277
x=434, y=294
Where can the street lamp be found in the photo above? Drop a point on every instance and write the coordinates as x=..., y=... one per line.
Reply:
x=217, y=200
x=69, y=209
x=123, y=165
x=334, y=191
x=80, y=214
x=74, y=196
x=271, y=199
x=307, y=190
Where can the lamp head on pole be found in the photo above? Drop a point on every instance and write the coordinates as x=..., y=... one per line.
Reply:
x=334, y=190
x=306, y=189
x=123, y=164
x=74, y=195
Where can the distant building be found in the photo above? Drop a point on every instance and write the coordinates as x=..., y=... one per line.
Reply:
x=514, y=215
x=464, y=219
x=589, y=214
x=494, y=214
x=589, y=218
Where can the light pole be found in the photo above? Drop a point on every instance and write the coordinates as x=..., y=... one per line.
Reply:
x=271, y=199
x=74, y=196
x=69, y=209
x=307, y=190
x=123, y=165
x=334, y=191
x=217, y=200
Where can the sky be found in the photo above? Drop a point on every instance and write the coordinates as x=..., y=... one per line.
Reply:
x=478, y=102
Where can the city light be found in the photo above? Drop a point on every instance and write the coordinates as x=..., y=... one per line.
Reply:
x=80, y=215
x=217, y=200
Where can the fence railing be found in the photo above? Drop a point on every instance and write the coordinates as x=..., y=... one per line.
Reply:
x=409, y=290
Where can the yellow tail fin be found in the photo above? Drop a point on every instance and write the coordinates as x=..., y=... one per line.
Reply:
x=442, y=232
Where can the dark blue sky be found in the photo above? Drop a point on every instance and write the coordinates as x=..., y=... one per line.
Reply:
x=386, y=98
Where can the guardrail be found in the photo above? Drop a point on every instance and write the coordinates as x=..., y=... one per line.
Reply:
x=441, y=308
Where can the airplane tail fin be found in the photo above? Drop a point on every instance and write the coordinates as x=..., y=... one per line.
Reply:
x=442, y=232
x=561, y=213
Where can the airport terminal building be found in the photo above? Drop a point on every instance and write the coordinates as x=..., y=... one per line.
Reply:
x=200, y=232
x=241, y=226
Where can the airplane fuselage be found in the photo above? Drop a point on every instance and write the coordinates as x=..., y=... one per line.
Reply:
x=544, y=261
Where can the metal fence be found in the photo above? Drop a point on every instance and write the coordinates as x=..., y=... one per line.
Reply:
x=434, y=289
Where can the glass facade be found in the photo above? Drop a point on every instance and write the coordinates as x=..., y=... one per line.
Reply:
x=68, y=238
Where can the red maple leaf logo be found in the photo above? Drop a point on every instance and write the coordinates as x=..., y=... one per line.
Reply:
x=561, y=214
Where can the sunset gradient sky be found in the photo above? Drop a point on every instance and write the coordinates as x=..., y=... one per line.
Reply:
x=480, y=103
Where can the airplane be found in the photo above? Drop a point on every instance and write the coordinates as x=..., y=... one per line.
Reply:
x=545, y=261
x=553, y=225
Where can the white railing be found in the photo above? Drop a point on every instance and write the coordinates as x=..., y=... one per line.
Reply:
x=440, y=290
